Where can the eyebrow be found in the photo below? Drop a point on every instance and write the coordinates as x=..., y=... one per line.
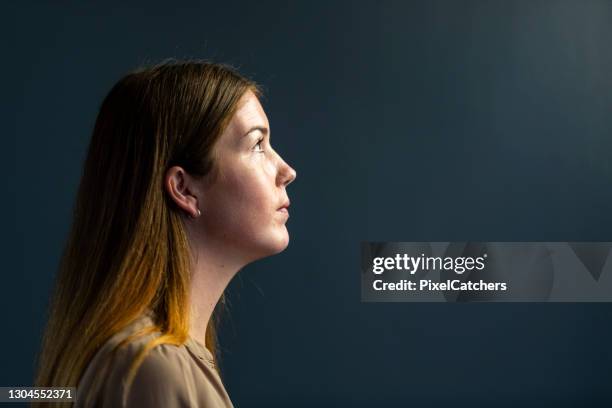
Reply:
x=262, y=129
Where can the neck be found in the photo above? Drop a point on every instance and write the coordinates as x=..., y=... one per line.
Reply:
x=211, y=272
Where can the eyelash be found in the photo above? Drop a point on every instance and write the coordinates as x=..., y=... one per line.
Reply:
x=260, y=150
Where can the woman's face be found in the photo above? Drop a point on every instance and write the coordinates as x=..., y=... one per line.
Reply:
x=245, y=207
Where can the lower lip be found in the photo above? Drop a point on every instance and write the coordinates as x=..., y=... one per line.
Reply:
x=284, y=211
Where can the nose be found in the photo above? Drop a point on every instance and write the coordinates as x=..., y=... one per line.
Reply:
x=286, y=173
x=292, y=176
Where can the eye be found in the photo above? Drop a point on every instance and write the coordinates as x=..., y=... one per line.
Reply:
x=259, y=146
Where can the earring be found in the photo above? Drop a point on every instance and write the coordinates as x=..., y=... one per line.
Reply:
x=196, y=216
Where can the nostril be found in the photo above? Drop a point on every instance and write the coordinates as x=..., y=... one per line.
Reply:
x=290, y=178
x=286, y=174
x=292, y=175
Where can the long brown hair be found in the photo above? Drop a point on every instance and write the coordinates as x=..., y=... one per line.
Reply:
x=127, y=250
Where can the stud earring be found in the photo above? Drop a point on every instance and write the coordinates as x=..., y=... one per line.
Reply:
x=197, y=215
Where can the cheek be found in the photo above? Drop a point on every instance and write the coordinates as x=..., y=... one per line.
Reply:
x=269, y=169
x=243, y=210
x=251, y=195
x=252, y=189
x=242, y=204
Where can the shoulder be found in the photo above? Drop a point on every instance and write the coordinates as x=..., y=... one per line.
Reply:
x=162, y=379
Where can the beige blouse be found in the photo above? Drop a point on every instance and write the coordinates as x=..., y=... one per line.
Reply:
x=170, y=376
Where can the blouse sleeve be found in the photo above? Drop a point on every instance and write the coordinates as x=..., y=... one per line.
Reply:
x=160, y=382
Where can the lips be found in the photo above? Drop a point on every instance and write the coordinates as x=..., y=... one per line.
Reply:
x=284, y=206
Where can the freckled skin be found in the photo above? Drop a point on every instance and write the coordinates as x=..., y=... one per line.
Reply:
x=241, y=207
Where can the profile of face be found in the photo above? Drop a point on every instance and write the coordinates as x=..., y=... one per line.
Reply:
x=245, y=207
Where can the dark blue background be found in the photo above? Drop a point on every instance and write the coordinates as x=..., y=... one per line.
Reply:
x=406, y=121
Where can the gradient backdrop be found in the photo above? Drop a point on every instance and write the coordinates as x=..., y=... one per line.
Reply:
x=406, y=121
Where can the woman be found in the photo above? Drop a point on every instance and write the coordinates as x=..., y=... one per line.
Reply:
x=180, y=190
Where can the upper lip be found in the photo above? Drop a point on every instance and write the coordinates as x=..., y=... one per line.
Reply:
x=286, y=204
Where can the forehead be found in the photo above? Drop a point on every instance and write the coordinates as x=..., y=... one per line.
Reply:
x=250, y=113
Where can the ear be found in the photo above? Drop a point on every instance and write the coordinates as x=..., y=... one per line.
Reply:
x=182, y=189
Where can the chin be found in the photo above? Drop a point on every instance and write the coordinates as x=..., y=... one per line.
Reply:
x=281, y=243
x=284, y=244
x=276, y=244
